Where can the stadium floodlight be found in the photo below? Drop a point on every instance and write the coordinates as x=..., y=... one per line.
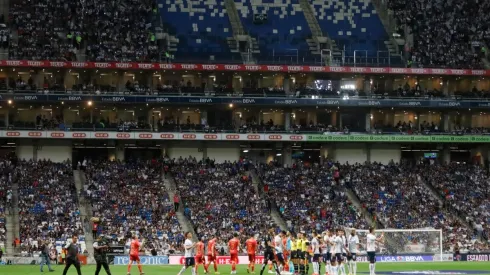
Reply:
x=399, y=242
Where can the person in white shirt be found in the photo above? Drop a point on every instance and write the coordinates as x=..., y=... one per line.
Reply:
x=279, y=247
x=315, y=247
x=326, y=251
x=339, y=250
x=352, y=250
x=189, y=254
x=371, y=249
x=333, y=263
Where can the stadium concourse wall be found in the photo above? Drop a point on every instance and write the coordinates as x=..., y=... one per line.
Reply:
x=58, y=146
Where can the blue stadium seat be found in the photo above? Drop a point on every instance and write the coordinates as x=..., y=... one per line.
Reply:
x=201, y=26
x=285, y=31
x=351, y=23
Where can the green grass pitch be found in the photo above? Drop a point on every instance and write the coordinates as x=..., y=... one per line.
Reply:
x=472, y=268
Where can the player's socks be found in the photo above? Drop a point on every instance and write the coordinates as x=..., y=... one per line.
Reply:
x=354, y=268
x=328, y=268
x=182, y=270
x=371, y=269
x=276, y=268
x=342, y=268
x=193, y=271
x=262, y=269
x=140, y=268
x=301, y=269
x=315, y=268
x=307, y=266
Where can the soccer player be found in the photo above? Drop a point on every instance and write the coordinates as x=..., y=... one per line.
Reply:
x=251, y=245
x=315, y=248
x=134, y=254
x=353, y=248
x=371, y=249
x=234, y=246
x=294, y=254
x=269, y=252
x=279, y=247
x=333, y=258
x=339, y=250
x=326, y=251
x=190, y=261
x=304, y=253
x=212, y=253
x=200, y=255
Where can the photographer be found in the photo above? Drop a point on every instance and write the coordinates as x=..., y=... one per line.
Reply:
x=100, y=254
x=45, y=258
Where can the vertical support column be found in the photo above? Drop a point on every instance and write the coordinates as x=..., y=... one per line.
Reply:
x=120, y=81
x=417, y=120
x=287, y=85
x=368, y=122
x=445, y=122
x=446, y=154
x=367, y=85
x=91, y=115
x=7, y=117
x=287, y=158
x=445, y=87
x=120, y=151
x=287, y=121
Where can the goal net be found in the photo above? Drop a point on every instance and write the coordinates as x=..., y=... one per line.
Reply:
x=399, y=242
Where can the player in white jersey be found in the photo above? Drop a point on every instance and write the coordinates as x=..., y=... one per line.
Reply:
x=279, y=247
x=371, y=249
x=352, y=250
x=333, y=263
x=339, y=250
x=326, y=251
x=315, y=248
x=189, y=254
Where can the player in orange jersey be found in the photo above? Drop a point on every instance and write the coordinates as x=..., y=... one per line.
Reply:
x=234, y=246
x=251, y=251
x=212, y=253
x=200, y=255
x=134, y=254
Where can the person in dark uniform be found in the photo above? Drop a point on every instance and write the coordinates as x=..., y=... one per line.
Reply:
x=100, y=255
x=72, y=256
x=45, y=257
x=269, y=252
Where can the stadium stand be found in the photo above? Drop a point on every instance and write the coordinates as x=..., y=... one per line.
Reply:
x=131, y=197
x=202, y=28
x=283, y=35
x=42, y=30
x=220, y=198
x=48, y=207
x=309, y=210
x=444, y=34
x=353, y=24
x=5, y=197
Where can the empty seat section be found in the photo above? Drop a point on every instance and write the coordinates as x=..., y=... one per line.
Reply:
x=201, y=26
x=353, y=24
x=283, y=36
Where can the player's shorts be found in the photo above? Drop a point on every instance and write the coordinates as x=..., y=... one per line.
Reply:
x=234, y=257
x=299, y=254
x=338, y=257
x=251, y=258
x=316, y=258
x=294, y=255
x=327, y=257
x=351, y=257
x=280, y=257
x=333, y=259
x=134, y=258
x=190, y=261
x=212, y=258
x=371, y=257
x=269, y=257
x=200, y=259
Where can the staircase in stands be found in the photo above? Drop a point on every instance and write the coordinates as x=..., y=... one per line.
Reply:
x=318, y=37
x=184, y=222
x=85, y=210
x=239, y=35
x=275, y=215
x=12, y=221
x=387, y=18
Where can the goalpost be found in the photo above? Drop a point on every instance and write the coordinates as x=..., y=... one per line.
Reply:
x=399, y=242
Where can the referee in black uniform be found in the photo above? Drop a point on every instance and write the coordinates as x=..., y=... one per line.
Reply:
x=72, y=255
x=269, y=252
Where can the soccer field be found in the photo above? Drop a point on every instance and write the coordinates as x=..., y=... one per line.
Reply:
x=442, y=268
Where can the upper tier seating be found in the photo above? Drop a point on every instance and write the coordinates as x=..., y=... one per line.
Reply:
x=284, y=34
x=351, y=23
x=201, y=26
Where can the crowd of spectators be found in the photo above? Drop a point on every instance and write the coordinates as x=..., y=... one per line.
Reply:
x=6, y=169
x=220, y=199
x=464, y=188
x=42, y=28
x=310, y=197
x=48, y=205
x=131, y=197
x=446, y=33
